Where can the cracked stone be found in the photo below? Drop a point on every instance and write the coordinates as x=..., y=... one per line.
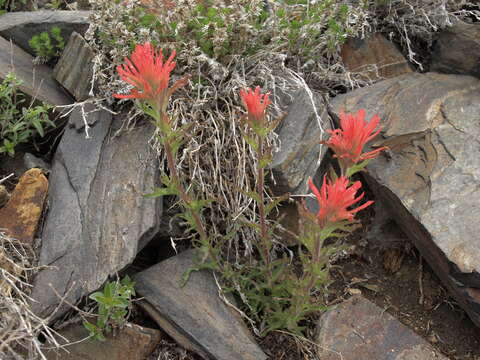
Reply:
x=98, y=218
x=430, y=177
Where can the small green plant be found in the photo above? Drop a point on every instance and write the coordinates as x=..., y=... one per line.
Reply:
x=48, y=46
x=19, y=124
x=114, y=303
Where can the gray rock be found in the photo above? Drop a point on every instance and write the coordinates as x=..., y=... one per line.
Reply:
x=20, y=27
x=131, y=342
x=74, y=70
x=457, y=50
x=300, y=151
x=361, y=55
x=358, y=329
x=98, y=218
x=430, y=177
x=194, y=315
x=31, y=161
x=37, y=80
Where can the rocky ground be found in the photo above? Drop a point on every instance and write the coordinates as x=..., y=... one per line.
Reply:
x=407, y=285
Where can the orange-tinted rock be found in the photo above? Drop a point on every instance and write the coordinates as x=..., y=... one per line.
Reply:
x=20, y=216
x=360, y=55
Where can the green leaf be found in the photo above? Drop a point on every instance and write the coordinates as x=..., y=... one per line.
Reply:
x=161, y=192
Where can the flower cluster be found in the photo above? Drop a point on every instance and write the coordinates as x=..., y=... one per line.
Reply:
x=348, y=142
x=256, y=105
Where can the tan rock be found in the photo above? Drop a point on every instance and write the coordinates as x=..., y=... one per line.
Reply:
x=22, y=213
x=362, y=55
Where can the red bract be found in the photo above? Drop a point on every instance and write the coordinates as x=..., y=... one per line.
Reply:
x=348, y=141
x=256, y=105
x=335, y=199
x=148, y=73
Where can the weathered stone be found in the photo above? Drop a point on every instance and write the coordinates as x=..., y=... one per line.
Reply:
x=74, y=70
x=194, y=315
x=20, y=217
x=430, y=177
x=37, y=80
x=98, y=218
x=131, y=342
x=457, y=50
x=20, y=27
x=358, y=329
x=300, y=133
x=362, y=55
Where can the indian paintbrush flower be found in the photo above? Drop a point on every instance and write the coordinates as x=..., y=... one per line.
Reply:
x=149, y=74
x=256, y=104
x=347, y=142
x=335, y=198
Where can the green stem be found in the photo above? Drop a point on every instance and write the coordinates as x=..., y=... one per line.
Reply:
x=261, y=205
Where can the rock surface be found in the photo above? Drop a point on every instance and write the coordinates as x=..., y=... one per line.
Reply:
x=37, y=81
x=362, y=55
x=300, y=133
x=74, y=70
x=20, y=216
x=194, y=315
x=358, y=329
x=457, y=50
x=430, y=177
x=98, y=218
x=132, y=342
x=20, y=27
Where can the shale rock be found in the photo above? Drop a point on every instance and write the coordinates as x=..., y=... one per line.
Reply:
x=37, y=80
x=20, y=27
x=194, y=315
x=300, y=133
x=98, y=218
x=457, y=50
x=430, y=177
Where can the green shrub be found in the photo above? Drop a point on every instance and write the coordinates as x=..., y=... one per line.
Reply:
x=19, y=124
x=48, y=46
x=114, y=303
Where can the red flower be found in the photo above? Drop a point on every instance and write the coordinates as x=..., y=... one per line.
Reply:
x=335, y=199
x=148, y=73
x=256, y=105
x=348, y=141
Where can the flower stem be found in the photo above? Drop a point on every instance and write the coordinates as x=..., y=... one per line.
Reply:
x=261, y=205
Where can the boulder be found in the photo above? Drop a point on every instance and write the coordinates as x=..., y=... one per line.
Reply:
x=37, y=80
x=98, y=218
x=300, y=133
x=457, y=50
x=359, y=329
x=374, y=57
x=20, y=27
x=193, y=314
x=429, y=178
x=74, y=69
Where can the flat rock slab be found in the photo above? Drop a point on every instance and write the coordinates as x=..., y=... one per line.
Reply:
x=37, y=80
x=361, y=55
x=20, y=216
x=20, y=27
x=457, y=50
x=98, y=218
x=300, y=133
x=131, y=342
x=359, y=329
x=430, y=178
x=74, y=69
x=194, y=315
